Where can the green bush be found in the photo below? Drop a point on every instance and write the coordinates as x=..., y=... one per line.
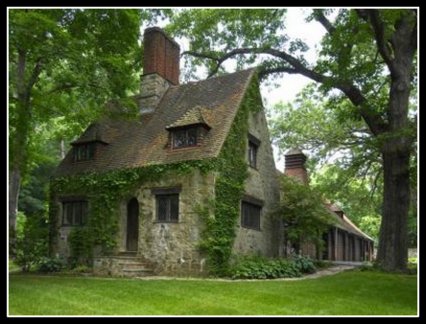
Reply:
x=262, y=268
x=31, y=240
x=303, y=263
x=50, y=265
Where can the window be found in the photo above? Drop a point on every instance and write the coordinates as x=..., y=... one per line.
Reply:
x=252, y=154
x=84, y=152
x=185, y=137
x=168, y=208
x=250, y=215
x=74, y=213
x=253, y=145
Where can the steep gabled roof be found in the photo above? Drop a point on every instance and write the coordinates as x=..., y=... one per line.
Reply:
x=213, y=102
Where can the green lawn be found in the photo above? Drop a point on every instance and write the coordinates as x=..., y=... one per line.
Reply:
x=347, y=293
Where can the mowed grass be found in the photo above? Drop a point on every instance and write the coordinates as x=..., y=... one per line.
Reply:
x=347, y=293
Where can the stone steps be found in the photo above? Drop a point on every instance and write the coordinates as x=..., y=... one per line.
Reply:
x=126, y=266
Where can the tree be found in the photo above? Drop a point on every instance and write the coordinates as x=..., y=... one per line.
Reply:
x=303, y=212
x=368, y=55
x=63, y=63
x=322, y=127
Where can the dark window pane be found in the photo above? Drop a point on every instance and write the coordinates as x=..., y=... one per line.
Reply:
x=69, y=213
x=84, y=152
x=179, y=138
x=252, y=154
x=162, y=208
x=174, y=207
x=167, y=208
x=78, y=213
x=185, y=137
x=250, y=215
x=192, y=137
x=90, y=151
x=74, y=212
x=84, y=213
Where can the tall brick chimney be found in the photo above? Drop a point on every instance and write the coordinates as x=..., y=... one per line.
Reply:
x=160, y=68
x=295, y=165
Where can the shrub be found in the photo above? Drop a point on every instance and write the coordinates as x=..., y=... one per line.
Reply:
x=262, y=268
x=31, y=240
x=303, y=263
x=50, y=265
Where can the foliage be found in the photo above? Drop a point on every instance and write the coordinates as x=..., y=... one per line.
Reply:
x=50, y=265
x=63, y=64
x=31, y=242
x=348, y=293
x=231, y=167
x=255, y=267
x=81, y=246
x=303, y=212
x=218, y=31
x=303, y=263
x=359, y=196
x=262, y=268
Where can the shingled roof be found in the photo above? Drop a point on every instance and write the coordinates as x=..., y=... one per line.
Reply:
x=343, y=222
x=213, y=102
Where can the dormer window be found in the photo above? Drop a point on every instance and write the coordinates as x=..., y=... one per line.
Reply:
x=84, y=152
x=185, y=137
x=190, y=130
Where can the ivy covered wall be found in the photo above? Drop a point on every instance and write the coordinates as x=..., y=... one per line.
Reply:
x=219, y=212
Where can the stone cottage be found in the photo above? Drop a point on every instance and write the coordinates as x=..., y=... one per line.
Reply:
x=191, y=179
x=159, y=226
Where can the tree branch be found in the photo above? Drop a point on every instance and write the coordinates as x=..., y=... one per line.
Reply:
x=374, y=121
x=20, y=82
x=263, y=73
x=319, y=16
x=35, y=74
x=62, y=87
x=379, y=33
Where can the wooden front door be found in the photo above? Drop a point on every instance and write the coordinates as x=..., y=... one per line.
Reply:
x=132, y=225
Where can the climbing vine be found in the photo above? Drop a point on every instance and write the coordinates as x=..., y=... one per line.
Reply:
x=219, y=234
x=104, y=191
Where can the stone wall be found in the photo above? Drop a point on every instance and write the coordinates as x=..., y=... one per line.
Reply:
x=262, y=184
x=171, y=248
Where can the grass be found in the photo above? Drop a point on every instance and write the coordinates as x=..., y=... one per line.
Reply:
x=13, y=267
x=347, y=293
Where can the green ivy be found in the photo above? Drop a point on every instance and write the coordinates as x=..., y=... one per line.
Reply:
x=219, y=234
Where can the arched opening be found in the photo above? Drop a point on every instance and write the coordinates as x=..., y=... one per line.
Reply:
x=132, y=225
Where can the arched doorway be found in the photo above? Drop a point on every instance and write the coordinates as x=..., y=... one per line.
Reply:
x=132, y=225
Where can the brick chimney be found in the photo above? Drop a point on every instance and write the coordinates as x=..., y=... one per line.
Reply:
x=160, y=68
x=295, y=165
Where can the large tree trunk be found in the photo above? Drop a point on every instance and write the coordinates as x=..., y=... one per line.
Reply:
x=393, y=244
